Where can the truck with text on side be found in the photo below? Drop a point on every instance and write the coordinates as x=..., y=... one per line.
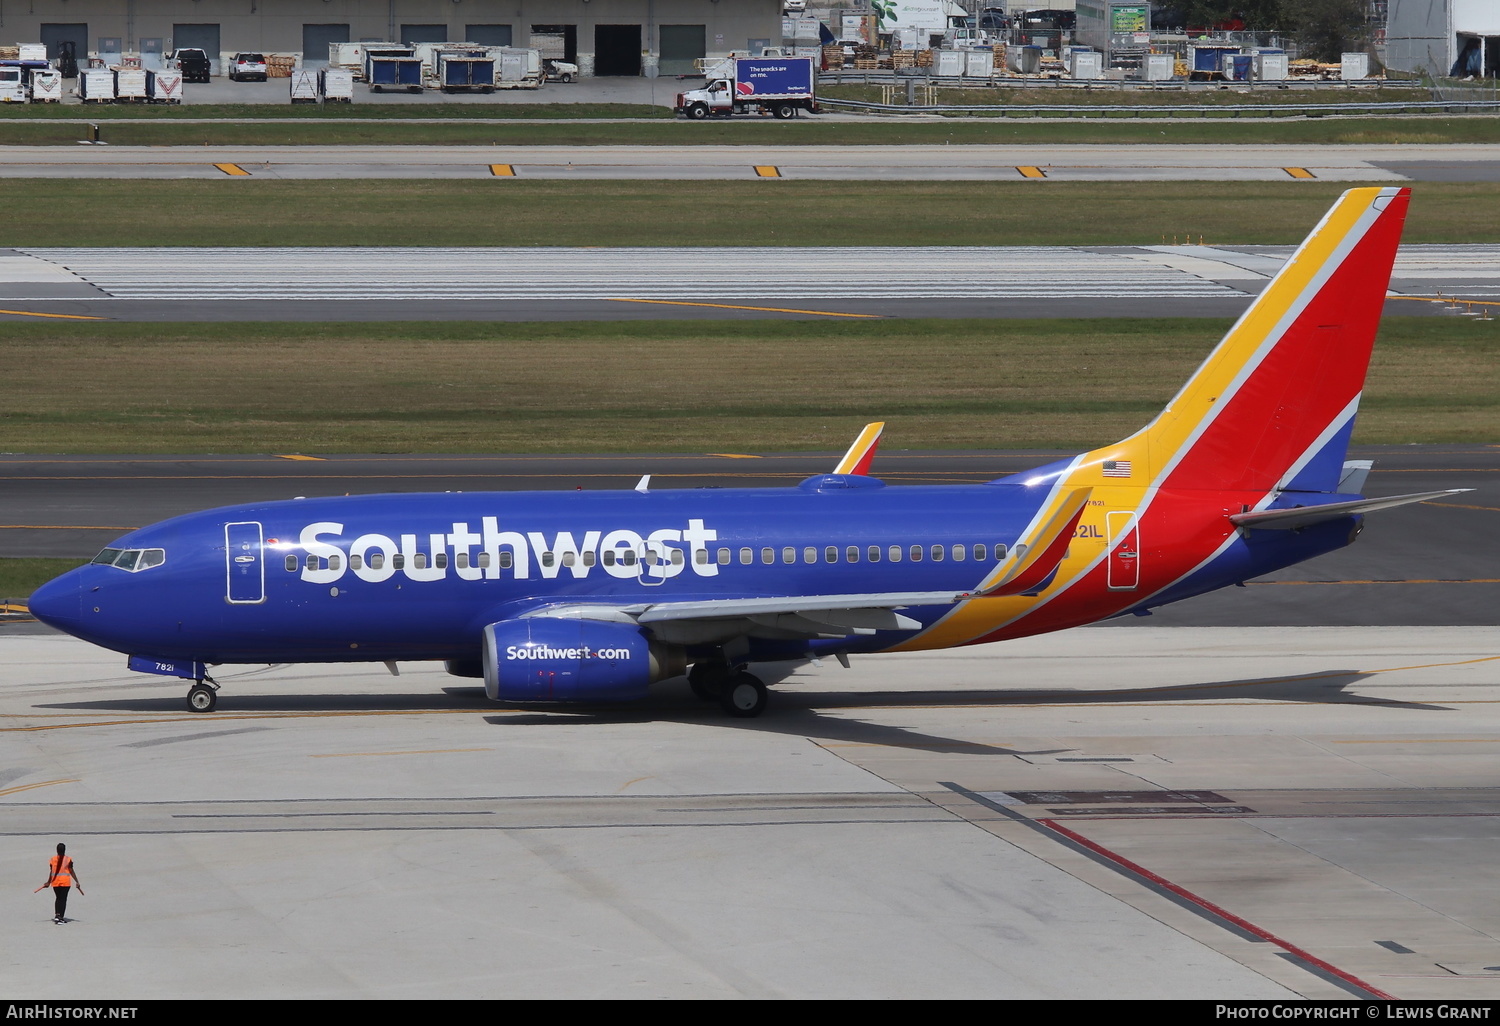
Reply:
x=741, y=85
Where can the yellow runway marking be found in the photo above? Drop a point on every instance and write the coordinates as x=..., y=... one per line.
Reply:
x=503, y=170
x=735, y=455
x=1455, y=300
x=424, y=751
x=1460, y=505
x=298, y=456
x=64, y=317
x=1299, y=172
x=767, y=171
x=41, y=783
x=763, y=309
x=233, y=169
x=1032, y=172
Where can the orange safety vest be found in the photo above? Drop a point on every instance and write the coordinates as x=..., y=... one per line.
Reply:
x=62, y=875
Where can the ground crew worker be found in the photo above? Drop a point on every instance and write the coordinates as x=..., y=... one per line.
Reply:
x=61, y=874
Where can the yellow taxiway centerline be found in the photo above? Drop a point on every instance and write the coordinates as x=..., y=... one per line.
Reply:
x=762, y=309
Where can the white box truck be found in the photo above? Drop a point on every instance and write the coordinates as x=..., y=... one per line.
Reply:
x=780, y=85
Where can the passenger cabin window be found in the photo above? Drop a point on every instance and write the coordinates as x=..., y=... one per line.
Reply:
x=851, y=554
x=747, y=556
x=291, y=561
x=979, y=552
x=937, y=553
x=958, y=553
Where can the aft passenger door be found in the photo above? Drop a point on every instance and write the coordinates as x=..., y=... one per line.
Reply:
x=1124, y=550
x=244, y=563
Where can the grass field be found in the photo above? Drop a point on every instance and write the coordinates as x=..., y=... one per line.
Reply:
x=507, y=212
x=19, y=577
x=668, y=385
x=139, y=130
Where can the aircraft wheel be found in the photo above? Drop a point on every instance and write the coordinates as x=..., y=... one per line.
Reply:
x=744, y=696
x=201, y=698
x=708, y=679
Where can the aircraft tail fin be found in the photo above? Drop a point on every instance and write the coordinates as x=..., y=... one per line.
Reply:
x=1273, y=405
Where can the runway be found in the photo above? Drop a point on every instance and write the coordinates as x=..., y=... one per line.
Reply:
x=394, y=283
x=1021, y=162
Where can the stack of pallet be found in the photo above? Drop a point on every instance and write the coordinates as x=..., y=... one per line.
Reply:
x=924, y=58
x=280, y=65
x=833, y=56
x=10, y=53
x=903, y=59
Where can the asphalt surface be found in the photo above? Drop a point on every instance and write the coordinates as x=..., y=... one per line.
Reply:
x=1427, y=564
x=1020, y=162
x=573, y=283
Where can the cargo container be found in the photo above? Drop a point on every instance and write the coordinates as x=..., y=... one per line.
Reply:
x=517, y=67
x=374, y=51
x=1086, y=64
x=96, y=85
x=32, y=52
x=336, y=85
x=1270, y=67
x=164, y=86
x=1354, y=66
x=1157, y=67
x=351, y=56
x=303, y=85
x=948, y=63
x=1024, y=60
x=12, y=85
x=130, y=85
x=46, y=86
x=780, y=85
x=394, y=73
x=466, y=73
x=1207, y=61
x=979, y=63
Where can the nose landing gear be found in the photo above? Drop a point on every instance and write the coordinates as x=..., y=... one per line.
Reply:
x=203, y=695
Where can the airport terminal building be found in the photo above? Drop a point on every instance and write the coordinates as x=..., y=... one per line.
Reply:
x=604, y=37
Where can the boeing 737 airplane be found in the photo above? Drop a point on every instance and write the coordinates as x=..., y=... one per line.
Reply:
x=594, y=596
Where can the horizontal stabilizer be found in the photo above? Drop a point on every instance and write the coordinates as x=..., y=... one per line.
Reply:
x=1034, y=560
x=1305, y=516
x=862, y=453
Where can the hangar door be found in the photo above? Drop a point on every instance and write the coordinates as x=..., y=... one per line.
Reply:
x=617, y=50
x=681, y=47
x=424, y=34
x=488, y=35
x=315, y=40
x=78, y=35
x=204, y=37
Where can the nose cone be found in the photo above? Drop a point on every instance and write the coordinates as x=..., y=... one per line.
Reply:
x=59, y=602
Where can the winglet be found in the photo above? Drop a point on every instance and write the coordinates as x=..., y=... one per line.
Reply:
x=1035, y=559
x=862, y=453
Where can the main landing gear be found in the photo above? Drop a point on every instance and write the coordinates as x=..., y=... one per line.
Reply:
x=203, y=695
x=739, y=693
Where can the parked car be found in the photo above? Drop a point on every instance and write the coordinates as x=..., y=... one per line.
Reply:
x=248, y=66
x=192, y=62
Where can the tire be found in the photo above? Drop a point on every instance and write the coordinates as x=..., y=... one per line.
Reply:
x=744, y=697
x=201, y=699
x=568, y=78
x=707, y=679
x=698, y=111
x=785, y=110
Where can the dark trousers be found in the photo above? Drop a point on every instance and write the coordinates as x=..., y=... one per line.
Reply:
x=61, y=905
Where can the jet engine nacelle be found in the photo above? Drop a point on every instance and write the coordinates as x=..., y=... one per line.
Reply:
x=546, y=659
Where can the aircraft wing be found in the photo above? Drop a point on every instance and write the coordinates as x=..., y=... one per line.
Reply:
x=1306, y=516
x=705, y=621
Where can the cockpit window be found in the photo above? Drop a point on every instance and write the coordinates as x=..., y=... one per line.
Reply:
x=133, y=560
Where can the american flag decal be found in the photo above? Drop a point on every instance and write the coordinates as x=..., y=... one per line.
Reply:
x=1116, y=468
